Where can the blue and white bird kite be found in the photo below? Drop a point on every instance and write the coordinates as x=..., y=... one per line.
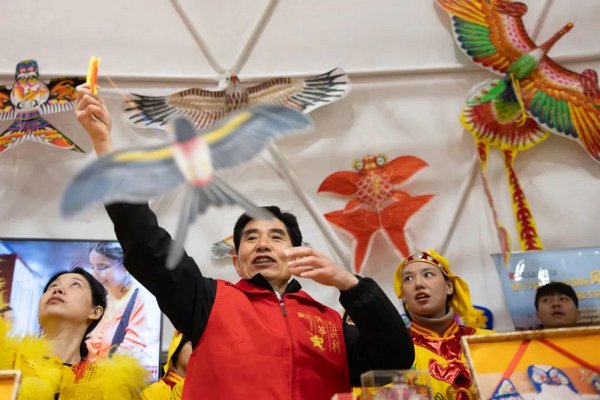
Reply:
x=139, y=174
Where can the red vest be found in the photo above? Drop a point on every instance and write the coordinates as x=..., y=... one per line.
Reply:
x=255, y=347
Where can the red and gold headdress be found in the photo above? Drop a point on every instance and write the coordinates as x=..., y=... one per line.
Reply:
x=461, y=299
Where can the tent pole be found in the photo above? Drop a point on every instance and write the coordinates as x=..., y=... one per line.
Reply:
x=465, y=189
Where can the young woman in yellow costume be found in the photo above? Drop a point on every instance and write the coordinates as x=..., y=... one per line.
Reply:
x=56, y=365
x=433, y=296
x=170, y=386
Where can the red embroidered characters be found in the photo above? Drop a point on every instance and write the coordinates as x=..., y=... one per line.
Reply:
x=375, y=204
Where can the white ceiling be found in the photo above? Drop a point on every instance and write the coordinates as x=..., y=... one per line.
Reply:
x=149, y=39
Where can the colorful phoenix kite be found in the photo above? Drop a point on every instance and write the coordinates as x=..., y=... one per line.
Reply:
x=28, y=100
x=205, y=107
x=139, y=174
x=534, y=97
x=376, y=205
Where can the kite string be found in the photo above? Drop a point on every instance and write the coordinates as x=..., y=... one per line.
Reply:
x=119, y=91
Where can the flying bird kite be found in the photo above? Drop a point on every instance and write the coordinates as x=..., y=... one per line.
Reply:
x=205, y=107
x=29, y=99
x=139, y=174
x=534, y=97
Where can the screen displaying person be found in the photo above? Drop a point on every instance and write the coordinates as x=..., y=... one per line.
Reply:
x=131, y=322
x=556, y=305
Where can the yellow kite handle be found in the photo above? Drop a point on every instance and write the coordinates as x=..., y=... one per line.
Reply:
x=92, y=74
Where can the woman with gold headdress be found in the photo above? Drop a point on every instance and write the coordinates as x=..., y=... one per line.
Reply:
x=57, y=366
x=433, y=296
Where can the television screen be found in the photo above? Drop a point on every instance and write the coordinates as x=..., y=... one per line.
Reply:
x=132, y=320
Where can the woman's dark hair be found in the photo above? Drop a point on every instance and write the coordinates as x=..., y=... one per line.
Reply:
x=98, y=299
x=288, y=219
x=111, y=250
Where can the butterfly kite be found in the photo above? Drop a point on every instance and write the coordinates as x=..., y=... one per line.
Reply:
x=29, y=99
x=139, y=174
x=375, y=204
x=205, y=107
x=534, y=97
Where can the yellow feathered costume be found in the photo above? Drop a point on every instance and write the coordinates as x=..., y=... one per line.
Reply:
x=44, y=375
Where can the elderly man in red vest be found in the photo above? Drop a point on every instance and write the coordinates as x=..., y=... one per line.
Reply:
x=262, y=337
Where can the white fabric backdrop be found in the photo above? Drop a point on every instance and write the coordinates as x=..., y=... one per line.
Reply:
x=409, y=84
